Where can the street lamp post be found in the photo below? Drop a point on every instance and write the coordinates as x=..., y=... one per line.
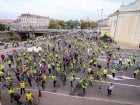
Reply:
x=100, y=25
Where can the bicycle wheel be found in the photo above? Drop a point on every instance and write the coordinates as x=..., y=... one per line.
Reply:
x=24, y=103
x=36, y=101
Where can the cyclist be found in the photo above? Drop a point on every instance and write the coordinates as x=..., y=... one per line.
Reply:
x=29, y=97
x=11, y=92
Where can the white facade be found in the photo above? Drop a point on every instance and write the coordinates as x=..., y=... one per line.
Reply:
x=124, y=24
x=32, y=22
x=103, y=22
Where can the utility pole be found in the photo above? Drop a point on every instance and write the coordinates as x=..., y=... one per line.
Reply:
x=101, y=21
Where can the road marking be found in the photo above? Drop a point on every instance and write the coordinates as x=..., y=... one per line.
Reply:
x=87, y=98
x=121, y=84
x=119, y=77
x=110, y=76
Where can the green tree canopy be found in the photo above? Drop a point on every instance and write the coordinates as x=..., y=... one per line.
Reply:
x=3, y=27
x=71, y=24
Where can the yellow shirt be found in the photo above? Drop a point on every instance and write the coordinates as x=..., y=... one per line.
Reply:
x=22, y=84
x=105, y=71
x=10, y=91
x=29, y=96
x=1, y=67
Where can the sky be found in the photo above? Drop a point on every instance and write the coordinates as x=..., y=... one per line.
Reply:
x=61, y=9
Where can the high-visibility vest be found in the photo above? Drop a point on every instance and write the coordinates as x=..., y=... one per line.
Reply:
x=91, y=61
x=101, y=79
x=1, y=67
x=104, y=71
x=1, y=73
x=137, y=71
x=29, y=96
x=22, y=84
x=98, y=72
x=89, y=70
x=71, y=64
x=57, y=69
x=34, y=71
x=24, y=53
x=91, y=78
x=10, y=91
x=54, y=78
x=49, y=66
x=113, y=71
x=84, y=65
x=9, y=62
x=126, y=65
x=71, y=78
x=84, y=85
x=74, y=61
x=81, y=81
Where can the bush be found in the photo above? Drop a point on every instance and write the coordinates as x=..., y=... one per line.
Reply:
x=105, y=38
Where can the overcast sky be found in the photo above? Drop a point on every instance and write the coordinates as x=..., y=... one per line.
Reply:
x=60, y=9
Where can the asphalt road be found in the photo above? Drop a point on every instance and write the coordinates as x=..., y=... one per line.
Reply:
x=126, y=92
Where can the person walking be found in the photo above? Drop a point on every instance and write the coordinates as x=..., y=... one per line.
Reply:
x=49, y=68
x=101, y=82
x=64, y=78
x=105, y=72
x=113, y=72
x=54, y=80
x=9, y=62
x=1, y=75
x=71, y=80
x=29, y=80
x=91, y=78
x=11, y=92
x=120, y=61
x=135, y=73
x=110, y=88
x=84, y=86
x=22, y=87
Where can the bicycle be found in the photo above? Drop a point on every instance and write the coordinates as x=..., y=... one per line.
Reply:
x=35, y=101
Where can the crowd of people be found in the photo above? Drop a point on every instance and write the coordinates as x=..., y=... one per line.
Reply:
x=77, y=60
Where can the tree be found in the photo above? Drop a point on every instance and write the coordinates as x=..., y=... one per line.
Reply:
x=54, y=25
x=87, y=24
x=2, y=27
x=71, y=24
x=11, y=33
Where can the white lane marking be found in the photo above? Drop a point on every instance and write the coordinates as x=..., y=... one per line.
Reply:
x=110, y=76
x=121, y=84
x=125, y=77
x=119, y=77
x=87, y=98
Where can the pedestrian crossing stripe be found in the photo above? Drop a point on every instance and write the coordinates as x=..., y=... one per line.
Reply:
x=119, y=77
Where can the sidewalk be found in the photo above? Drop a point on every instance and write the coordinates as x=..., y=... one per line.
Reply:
x=128, y=46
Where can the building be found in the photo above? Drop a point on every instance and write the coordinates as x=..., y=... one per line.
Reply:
x=32, y=22
x=103, y=26
x=123, y=25
x=103, y=22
